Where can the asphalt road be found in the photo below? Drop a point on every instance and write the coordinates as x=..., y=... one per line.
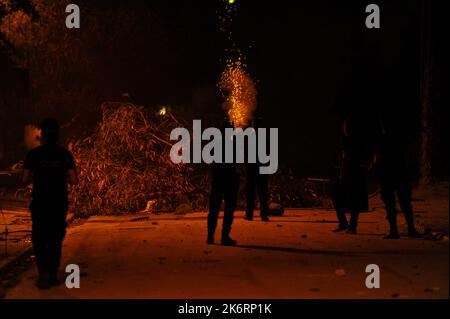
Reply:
x=294, y=256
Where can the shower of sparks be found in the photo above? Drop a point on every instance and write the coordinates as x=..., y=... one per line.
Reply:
x=242, y=93
x=235, y=81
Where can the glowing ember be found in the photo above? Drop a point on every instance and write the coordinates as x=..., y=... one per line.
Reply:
x=241, y=100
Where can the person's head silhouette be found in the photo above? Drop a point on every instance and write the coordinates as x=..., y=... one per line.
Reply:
x=50, y=131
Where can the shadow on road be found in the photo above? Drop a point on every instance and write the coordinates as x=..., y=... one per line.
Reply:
x=337, y=253
x=297, y=250
x=324, y=221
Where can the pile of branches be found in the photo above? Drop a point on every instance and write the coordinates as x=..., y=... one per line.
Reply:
x=125, y=163
x=284, y=188
x=125, y=167
x=294, y=192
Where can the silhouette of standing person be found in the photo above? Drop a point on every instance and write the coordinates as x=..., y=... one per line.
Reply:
x=254, y=181
x=351, y=189
x=49, y=167
x=224, y=186
x=393, y=176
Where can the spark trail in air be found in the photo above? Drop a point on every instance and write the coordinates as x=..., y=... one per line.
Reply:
x=235, y=81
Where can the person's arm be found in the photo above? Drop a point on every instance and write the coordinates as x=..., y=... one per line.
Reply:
x=27, y=176
x=28, y=167
x=73, y=176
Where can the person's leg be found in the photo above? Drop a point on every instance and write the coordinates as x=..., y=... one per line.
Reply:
x=342, y=220
x=357, y=195
x=263, y=196
x=40, y=250
x=250, y=185
x=55, y=251
x=388, y=197
x=404, y=197
x=39, y=241
x=339, y=204
x=215, y=200
x=354, y=215
x=231, y=195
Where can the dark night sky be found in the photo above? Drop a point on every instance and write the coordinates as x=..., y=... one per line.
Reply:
x=311, y=59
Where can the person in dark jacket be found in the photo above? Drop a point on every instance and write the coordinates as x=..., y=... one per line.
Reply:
x=50, y=167
x=351, y=189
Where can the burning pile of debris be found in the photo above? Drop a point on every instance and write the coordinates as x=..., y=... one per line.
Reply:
x=125, y=164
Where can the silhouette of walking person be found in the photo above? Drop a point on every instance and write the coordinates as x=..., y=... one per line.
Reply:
x=50, y=167
x=393, y=176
